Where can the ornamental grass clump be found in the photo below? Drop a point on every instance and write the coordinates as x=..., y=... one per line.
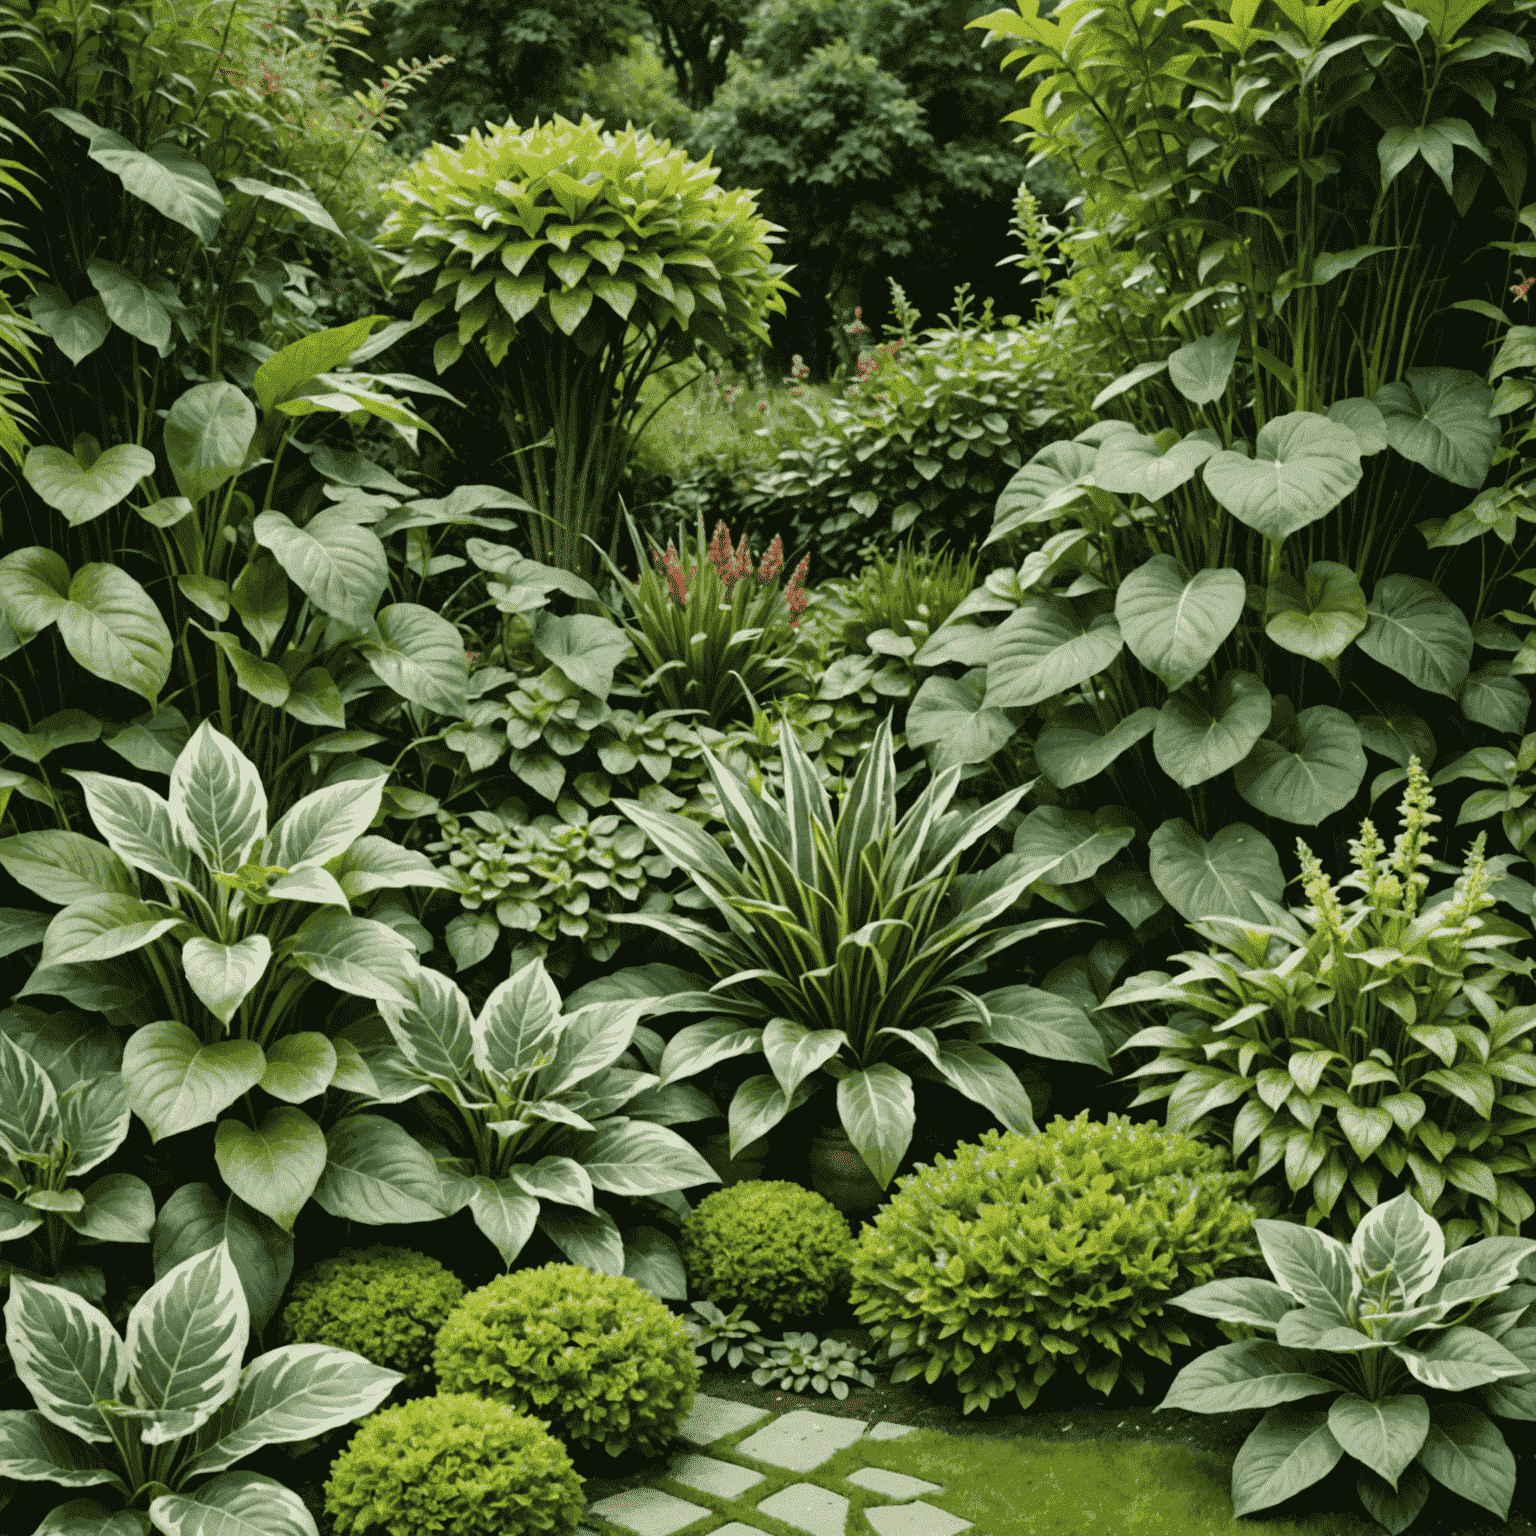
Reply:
x=1359, y=1049
x=713, y=625
x=603, y=256
x=1015, y=1257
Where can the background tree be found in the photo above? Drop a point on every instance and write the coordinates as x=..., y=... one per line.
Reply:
x=696, y=39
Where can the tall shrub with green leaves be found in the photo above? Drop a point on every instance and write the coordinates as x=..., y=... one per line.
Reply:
x=599, y=255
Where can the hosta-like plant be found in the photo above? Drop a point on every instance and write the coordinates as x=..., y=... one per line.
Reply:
x=1415, y=1349
x=63, y=1112
x=848, y=940
x=247, y=919
x=529, y=1112
x=158, y=1421
x=1368, y=1047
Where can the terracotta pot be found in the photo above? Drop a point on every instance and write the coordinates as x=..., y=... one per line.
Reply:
x=838, y=1173
x=748, y=1164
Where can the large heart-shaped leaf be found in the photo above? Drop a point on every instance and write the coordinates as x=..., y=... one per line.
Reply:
x=222, y=975
x=1200, y=735
x=378, y=1174
x=1045, y=649
x=1386, y=1433
x=1495, y=697
x=299, y=1067
x=34, y=589
x=340, y=567
x=1309, y=774
x=1443, y=419
x=1320, y=619
x=1303, y=466
x=77, y=329
x=83, y=492
x=1200, y=370
x=275, y=1167
x=119, y=1208
x=1054, y=470
x=1175, y=622
x=111, y=626
x=131, y=304
x=186, y=1339
x=1042, y=1023
x=196, y=1219
x=1414, y=630
x=585, y=647
x=505, y=1213
x=1083, y=841
x=1200, y=879
x=176, y=1082
x=948, y=715
x=1129, y=464
x=1073, y=748
x=421, y=656
x=207, y=434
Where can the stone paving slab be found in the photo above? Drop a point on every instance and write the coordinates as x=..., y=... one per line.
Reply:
x=713, y=1418
x=913, y=1520
x=648, y=1511
x=800, y=1441
x=893, y=1485
x=724, y=1479
x=885, y=1430
x=809, y=1508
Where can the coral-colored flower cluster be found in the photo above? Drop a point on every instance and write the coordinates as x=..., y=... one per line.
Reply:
x=1523, y=287
x=870, y=364
x=732, y=562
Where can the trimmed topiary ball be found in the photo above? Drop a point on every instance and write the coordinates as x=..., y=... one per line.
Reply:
x=384, y=1303
x=1010, y=1259
x=777, y=1246
x=454, y=1465
x=601, y=1357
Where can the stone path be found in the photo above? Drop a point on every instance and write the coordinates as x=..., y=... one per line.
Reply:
x=800, y=1442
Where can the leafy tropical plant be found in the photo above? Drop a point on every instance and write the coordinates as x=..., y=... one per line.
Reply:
x=249, y=919
x=611, y=252
x=493, y=1089
x=160, y=1420
x=801, y=1360
x=713, y=625
x=728, y=1336
x=847, y=938
x=1400, y=1335
x=1358, y=1049
x=63, y=1112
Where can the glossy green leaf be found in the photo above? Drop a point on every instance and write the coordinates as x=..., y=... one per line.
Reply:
x=83, y=492
x=207, y=436
x=377, y=1174
x=131, y=304
x=217, y=801
x=353, y=954
x=1306, y=778
x=63, y=867
x=1045, y=649
x=1175, y=622
x=66, y=1353
x=293, y=366
x=176, y=1082
x=195, y=1219
x=1291, y=1449
x=77, y=330
x=1465, y=1452
x=1443, y=419
x=421, y=656
x=222, y=975
x=1073, y=749
x=119, y=1208
x=275, y=1167
x=876, y=1107
x=1253, y=1374
x=1385, y=1433
x=1200, y=879
x=1304, y=465
x=339, y=566
x=1198, y=736
x=1414, y=630
x=233, y=1504
x=585, y=647
x=299, y=1067
x=505, y=1213
x=949, y=715
x=1320, y=619
x=1131, y=465
x=1082, y=841
x=309, y=208
x=111, y=626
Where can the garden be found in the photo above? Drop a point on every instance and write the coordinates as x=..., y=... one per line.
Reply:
x=666, y=856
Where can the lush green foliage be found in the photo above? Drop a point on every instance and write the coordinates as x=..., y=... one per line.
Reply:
x=1367, y=1047
x=456, y=1463
x=712, y=624
x=606, y=1362
x=780, y=1249
x=552, y=881
x=160, y=1421
x=491, y=1089
x=1389, y=1312
x=1013, y=1257
x=847, y=936
x=662, y=253
x=385, y=1304
x=800, y=1360
x=64, y=1113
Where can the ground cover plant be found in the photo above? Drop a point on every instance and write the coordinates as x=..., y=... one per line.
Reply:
x=446, y=834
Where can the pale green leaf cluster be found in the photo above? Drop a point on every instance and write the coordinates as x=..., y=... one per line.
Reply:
x=159, y=1420
x=1374, y=1326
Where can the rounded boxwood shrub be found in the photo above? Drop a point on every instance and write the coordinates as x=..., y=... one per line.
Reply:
x=454, y=1463
x=1001, y=1264
x=777, y=1246
x=600, y=1357
x=386, y=1304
